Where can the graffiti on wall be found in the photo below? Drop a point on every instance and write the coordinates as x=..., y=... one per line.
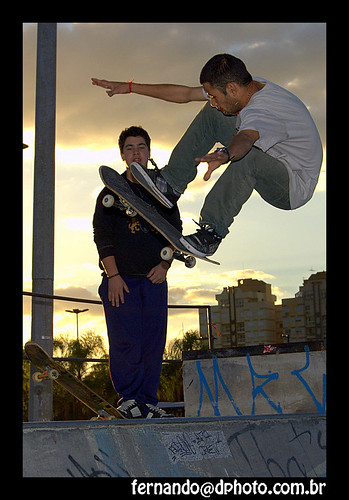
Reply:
x=259, y=382
x=193, y=446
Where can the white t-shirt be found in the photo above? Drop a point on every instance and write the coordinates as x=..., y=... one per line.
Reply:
x=288, y=133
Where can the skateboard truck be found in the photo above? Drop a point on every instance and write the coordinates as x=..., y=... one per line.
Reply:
x=47, y=374
x=109, y=201
x=168, y=253
x=103, y=415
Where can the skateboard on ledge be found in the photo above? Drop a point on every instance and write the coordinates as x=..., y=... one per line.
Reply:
x=53, y=370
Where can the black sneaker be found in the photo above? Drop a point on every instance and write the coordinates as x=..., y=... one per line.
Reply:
x=153, y=181
x=202, y=243
x=156, y=412
x=130, y=409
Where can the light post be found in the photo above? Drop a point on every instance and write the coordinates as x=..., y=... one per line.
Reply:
x=77, y=312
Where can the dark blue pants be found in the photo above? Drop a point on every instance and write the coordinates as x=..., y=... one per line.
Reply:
x=137, y=337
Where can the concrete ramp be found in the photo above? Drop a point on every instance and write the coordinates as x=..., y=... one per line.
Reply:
x=260, y=446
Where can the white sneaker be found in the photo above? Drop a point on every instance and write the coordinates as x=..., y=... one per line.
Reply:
x=153, y=181
x=156, y=412
x=130, y=409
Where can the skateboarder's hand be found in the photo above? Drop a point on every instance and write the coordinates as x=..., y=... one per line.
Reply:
x=238, y=147
x=214, y=161
x=116, y=289
x=114, y=87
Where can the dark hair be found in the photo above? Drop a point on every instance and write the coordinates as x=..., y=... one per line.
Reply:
x=133, y=132
x=222, y=69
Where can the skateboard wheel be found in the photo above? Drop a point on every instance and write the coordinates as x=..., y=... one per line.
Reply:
x=53, y=375
x=190, y=262
x=37, y=377
x=108, y=201
x=166, y=253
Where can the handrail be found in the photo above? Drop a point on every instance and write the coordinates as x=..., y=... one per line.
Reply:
x=98, y=360
x=99, y=302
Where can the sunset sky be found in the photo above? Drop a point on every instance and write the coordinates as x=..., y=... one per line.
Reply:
x=281, y=248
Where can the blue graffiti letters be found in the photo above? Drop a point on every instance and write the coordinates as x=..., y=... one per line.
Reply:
x=259, y=382
x=297, y=373
x=203, y=383
x=259, y=388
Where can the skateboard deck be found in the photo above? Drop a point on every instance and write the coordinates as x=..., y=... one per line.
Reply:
x=53, y=370
x=116, y=183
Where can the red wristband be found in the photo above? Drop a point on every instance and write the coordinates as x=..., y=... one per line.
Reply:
x=129, y=85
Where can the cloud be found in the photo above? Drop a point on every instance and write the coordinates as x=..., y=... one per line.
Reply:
x=247, y=274
x=192, y=295
x=197, y=291
x=77, y=292
x=61, y=305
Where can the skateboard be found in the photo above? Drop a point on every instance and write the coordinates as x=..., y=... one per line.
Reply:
x=51, y=370
x=130, y=202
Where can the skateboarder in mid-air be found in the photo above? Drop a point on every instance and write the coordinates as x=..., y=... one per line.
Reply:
x=270, y=143
x=134, y=288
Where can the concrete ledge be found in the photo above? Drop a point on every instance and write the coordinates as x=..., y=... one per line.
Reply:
x=289, y=380
x=254, y=350
x=259, y=446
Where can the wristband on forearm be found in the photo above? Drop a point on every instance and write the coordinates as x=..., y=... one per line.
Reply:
x=113, y=275
x=226, y=151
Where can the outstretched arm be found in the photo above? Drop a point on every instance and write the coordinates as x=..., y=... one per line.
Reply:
x=165, y=91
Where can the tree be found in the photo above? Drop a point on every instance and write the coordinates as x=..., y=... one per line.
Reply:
x=94, y=375
x=191, y=341
x=88, y=346
x=171, y=380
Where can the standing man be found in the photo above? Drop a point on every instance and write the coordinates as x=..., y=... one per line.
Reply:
x=134, y=288
x=269, y=139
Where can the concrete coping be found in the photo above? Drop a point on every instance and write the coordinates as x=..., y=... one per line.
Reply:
x=255, y=350
x=143, y=422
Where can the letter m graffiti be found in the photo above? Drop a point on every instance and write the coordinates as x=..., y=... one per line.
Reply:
x=204, y=385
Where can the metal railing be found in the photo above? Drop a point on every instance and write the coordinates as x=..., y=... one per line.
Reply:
x=99, y=302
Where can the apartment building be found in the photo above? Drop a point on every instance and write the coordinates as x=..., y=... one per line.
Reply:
x=304, y=316
x=246, y=314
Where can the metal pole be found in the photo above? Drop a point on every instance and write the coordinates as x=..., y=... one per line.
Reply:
x=210, y=333
x=40, y=395
x=77, y=327
x=77, y=312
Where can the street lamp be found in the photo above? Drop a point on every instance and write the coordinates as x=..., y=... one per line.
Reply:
x=77, y=312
